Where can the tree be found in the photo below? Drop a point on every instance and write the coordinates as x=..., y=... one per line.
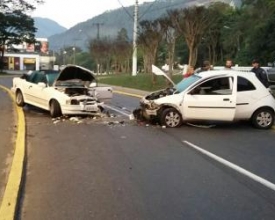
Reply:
x=16, y=27
x=122, y=50
x=192, y=24
x=22, y=5
x=170, y=36
x=149, y=37
x=256, y=19
x=101, y=51
x=213, y=35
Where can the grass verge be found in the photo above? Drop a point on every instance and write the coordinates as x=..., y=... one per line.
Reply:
x=142, y=81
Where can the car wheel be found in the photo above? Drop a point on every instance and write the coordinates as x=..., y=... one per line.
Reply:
x=263, y=118
x=171, y=118
x=19, y=99
x=55, y=109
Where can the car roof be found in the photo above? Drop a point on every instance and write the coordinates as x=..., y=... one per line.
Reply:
x=212, y=73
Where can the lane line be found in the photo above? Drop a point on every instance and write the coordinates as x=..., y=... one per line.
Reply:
x=235, y=167
x=126, y=93
x=11, y=195
x=117, y=110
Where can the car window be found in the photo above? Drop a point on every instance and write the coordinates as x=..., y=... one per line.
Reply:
x=217, y=86
x=39, y=77
x=30, y=77
x=244, y=85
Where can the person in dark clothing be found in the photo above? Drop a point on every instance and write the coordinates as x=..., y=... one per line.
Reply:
x=206, y=66
x=260, y=72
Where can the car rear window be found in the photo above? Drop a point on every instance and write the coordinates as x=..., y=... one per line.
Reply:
x=244, y=84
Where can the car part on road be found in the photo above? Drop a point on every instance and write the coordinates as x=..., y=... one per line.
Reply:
x=263, y=118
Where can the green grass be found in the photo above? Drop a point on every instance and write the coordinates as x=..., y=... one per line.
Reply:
x=142, y=81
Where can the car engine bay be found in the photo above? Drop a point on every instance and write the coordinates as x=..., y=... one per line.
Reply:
x=71, y=92
x=161, y=93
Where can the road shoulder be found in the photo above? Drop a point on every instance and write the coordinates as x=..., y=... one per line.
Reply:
x=11, y=194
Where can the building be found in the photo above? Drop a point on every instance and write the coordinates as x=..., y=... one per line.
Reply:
x=29, y=56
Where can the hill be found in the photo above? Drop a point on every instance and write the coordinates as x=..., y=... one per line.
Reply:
x=47, y=27
x=110, y=22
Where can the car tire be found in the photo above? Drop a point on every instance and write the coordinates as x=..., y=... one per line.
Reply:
x=263, y=118
x=55, y=109
x=171, y=118
x=19, y=99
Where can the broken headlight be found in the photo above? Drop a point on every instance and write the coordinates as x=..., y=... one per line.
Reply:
x=72, y=102
x=153, y=105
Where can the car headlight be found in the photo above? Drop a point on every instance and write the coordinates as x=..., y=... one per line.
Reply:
x=72, y=102
x=153, y=105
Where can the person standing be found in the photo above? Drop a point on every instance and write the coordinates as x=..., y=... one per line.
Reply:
x=228, y=64
x=206, y=66
x=190, y=71
x=260, y=72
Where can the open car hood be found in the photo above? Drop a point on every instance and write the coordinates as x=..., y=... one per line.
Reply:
x=74, y=74
x=157, y=71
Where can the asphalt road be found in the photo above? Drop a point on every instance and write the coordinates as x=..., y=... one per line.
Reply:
x=94, y=169
x=7, y=137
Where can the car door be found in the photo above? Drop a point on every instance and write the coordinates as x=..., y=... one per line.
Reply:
x=102, y=93
x=36, y=91
x=26, y=85
x=213, y=99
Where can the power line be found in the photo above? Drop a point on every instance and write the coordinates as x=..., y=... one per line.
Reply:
x=157, y=9
x=151, y=5
x=124, y=8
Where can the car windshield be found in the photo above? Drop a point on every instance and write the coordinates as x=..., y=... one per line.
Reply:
x=185, y=83
x=51, y=76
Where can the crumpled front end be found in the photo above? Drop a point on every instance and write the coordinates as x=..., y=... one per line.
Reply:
x=149, y=108
x=81, y=105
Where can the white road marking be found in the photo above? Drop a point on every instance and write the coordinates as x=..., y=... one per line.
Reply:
x=117, y=110
x=237, y=168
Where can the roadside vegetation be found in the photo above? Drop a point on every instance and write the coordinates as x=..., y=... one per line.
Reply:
x=141, y=81
x=215, y=32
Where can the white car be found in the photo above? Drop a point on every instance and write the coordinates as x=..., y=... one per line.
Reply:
x=222, y=95
x=73, y=91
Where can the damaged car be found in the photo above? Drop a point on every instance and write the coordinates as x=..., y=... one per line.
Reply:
x=218, y=95
x=72, y=91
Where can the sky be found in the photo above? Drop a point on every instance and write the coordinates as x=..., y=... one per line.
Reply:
x=70, y=12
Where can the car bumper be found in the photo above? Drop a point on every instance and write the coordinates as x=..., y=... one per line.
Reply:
x=81, y=109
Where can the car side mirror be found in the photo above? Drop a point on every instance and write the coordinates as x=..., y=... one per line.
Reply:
x=42, y=85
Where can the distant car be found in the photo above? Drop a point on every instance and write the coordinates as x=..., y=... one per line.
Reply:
x=218, y=95
x=72, y=91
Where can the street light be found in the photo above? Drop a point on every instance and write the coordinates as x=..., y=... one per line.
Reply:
x=74, y=54
x=64, y=56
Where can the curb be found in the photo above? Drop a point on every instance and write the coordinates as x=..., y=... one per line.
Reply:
x=11, y=195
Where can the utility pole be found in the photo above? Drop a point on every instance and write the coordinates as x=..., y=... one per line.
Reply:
x=134, y=64
x=98, y=29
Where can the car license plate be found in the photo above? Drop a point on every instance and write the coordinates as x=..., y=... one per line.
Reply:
x=91, y=108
